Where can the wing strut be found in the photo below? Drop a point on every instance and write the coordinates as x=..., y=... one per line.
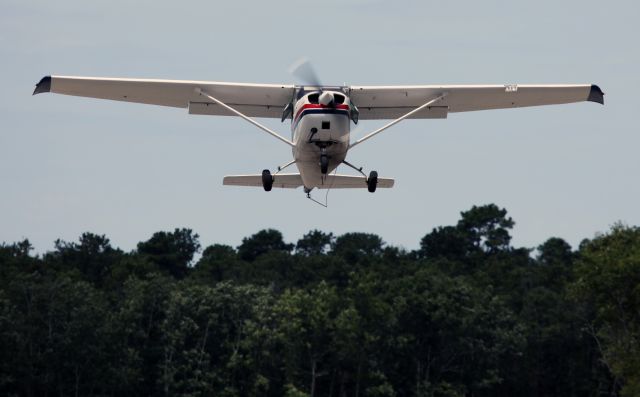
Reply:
x=281, y=167
x=399, y=119
x=249, y=119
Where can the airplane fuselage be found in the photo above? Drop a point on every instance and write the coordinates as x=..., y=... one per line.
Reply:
x=320, y=126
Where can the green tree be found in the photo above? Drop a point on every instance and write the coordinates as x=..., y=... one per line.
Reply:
x=314, y=243
x=487, y=227
x=445, y=241
x=481, y=231
x=459, y=338
x=93, y=257
x=53, y=336
x=136, y=331
x=216, y=341
x=608, y=278
x=306, y=331
x=218, y=262
x=466, y=315
x=357, y=247
x=262, y=242
x=555, y=262
x=171, y=251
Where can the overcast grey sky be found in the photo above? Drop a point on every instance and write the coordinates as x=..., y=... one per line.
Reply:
x=70, y=165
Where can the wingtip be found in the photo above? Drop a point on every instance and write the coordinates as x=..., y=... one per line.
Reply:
x=43, y=86
x=596, y=95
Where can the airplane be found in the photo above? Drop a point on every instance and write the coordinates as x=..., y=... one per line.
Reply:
x=320, y=115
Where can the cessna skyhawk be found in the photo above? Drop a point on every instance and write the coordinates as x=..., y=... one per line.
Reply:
x=320, y=116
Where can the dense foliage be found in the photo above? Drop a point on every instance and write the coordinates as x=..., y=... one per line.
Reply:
x=467, y=314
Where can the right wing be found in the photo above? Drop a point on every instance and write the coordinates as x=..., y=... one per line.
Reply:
x=390, y=102
x=293, y=181
x=254, y=100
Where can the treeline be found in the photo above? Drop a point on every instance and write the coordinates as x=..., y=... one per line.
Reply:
x=467, y=314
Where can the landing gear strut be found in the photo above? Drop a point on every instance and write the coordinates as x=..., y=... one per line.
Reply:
x=372, y=180
x=267, y=180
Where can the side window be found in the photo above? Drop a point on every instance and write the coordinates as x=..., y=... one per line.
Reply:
x=313, y=98
x=338, y=99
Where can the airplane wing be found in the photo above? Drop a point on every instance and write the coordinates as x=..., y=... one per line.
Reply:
x=269, y=100
x=390, y=102
x=254, y=100
x=293, y=181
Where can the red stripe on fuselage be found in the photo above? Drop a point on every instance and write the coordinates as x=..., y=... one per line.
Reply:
x=318, y=106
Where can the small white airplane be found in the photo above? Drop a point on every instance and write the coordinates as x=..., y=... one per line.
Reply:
x=320, y=115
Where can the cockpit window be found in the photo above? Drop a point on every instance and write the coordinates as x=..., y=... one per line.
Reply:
x=313, y=98
x=338, y=99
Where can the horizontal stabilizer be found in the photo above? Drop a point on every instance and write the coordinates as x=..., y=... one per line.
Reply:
x=286, y=181
x=292, y=181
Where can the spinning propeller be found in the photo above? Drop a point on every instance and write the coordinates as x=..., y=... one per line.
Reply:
x=303, y=71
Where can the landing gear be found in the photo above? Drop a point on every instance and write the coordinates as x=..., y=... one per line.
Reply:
x=372, y=181
x=324, y=158
x=267, y=180
x=324, y=164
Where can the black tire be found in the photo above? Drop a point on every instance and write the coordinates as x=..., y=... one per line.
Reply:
x=324, y=164
x=372, y=182
x=267, y=180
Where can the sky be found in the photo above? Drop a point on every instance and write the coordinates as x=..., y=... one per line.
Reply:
x=69, y=165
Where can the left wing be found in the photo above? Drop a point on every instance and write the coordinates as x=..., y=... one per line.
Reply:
x=254, y=100
x=390, y=102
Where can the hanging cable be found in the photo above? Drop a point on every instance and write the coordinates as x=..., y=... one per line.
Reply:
x=326, y=196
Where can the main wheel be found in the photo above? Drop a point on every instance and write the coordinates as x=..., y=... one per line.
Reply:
x=324, y=164
x=267, y=180
x=372, y=182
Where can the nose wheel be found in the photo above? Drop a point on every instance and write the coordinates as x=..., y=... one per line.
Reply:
x=324, y=164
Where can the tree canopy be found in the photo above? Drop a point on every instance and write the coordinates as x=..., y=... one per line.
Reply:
x=466, y=314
